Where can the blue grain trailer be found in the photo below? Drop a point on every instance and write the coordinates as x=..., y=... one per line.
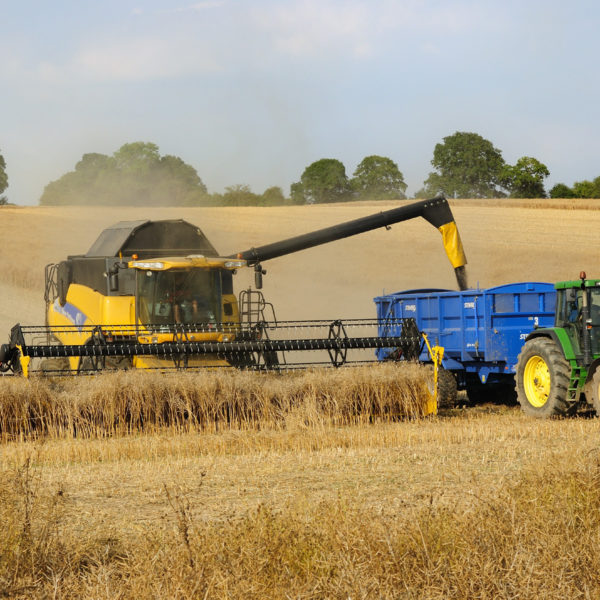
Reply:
x=481, y=330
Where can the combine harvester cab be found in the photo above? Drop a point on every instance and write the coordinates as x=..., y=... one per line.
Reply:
x=481, y=331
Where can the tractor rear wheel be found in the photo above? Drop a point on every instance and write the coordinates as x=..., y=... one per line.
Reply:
x=595, y=399
x=543, y=376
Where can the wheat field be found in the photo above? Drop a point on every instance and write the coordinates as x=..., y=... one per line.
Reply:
x=475, y=503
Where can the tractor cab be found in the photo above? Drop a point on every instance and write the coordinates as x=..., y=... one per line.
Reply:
x=578, y=314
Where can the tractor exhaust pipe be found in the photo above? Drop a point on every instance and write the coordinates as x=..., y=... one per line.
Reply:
x=586, y=321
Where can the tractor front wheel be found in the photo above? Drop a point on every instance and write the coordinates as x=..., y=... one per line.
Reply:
x=542, y=379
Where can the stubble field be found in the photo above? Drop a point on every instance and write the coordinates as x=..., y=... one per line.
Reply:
x=476, y=503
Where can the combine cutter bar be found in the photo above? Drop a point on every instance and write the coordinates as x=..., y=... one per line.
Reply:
x=265, y=345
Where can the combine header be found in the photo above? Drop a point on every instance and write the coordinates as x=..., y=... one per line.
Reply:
x=156, y=295
x=196, y=346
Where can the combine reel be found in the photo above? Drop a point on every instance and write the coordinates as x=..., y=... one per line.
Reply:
x=263, y=346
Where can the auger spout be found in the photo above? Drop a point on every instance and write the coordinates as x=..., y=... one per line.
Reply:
x=436, y=211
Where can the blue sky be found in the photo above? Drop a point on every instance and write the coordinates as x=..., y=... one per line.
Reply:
x=251, y=92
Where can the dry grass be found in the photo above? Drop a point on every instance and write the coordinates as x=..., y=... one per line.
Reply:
x=134, y=402
x=535, y=536
x=483, y=504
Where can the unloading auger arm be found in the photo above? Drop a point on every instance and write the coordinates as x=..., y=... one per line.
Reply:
x=436, y=211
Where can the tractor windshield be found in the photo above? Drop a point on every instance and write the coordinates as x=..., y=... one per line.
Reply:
x=569, y=315
x=184, y=296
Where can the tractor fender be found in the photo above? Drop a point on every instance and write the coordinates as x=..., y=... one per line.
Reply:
x=559, y=337
x=543, y=333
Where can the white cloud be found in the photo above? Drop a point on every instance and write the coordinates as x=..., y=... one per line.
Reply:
x=359, y=28
x=196, y=7
x=207, y=4
x=310, y=27
x=143, y=59
x=192, y=39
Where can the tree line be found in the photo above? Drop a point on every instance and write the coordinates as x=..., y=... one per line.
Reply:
x=3, y=180
x=466, y=165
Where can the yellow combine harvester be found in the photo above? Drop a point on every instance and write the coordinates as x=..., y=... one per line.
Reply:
x=152, y=302
x=155, y=294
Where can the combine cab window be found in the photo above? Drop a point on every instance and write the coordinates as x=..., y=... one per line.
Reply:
x=179, y=296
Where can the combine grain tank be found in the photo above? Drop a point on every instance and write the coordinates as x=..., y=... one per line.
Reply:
x=481, y=330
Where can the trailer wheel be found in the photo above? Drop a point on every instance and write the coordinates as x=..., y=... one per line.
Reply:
x=496, y=392
x=543, y=376
x=447, y=389
x=477, y=392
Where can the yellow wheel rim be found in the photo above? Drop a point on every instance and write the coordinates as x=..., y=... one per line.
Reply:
x=536, y=380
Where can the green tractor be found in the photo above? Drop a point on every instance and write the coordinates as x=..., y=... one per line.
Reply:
x=557, y=369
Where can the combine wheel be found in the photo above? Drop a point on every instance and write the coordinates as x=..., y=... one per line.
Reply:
x=94, y=362
x=54, y=366
x=447, y=389
x=118, y=363
x=543, y=377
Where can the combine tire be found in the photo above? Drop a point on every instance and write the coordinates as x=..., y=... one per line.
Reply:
x=543, y=377
x=447, y=390
x=55, y=366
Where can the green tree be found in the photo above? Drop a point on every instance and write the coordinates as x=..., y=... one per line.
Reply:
x=526, y=178
x=93, y=163
x=587, y=189
x=178, y=181
x=561, y=190
x=297, y=193
x=378, y=178
x=273, y=196
x=135, y=174
x=468, y=166
x=239, y=195
x=323, y=181
x=137, y=157
x=580, y=189
x=3, y=179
